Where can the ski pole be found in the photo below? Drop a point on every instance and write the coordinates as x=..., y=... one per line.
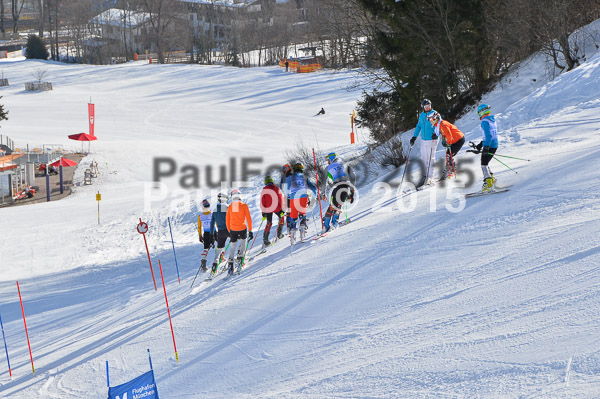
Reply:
x=506, y=156
x=251, y=246
x=346, y=210
x=199, y=267
x=174, y=254
x=452, y=160
x=198, y=272
x=431, y=155
x=406, y=165
x=318, y=191
x=506, y=165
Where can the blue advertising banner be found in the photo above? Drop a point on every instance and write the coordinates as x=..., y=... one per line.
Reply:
x=142, y=387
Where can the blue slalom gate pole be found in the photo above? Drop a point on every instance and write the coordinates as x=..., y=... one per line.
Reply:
x=149, y=359
x=107, y=380
x=5, y=348
x=175, y=255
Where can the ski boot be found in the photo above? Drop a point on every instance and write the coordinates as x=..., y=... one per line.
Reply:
x=488, y=185
x=213, y=270
x=334, y=221
x=230, y=267
x=203, y=265
x=293, y=236
x=238, y=263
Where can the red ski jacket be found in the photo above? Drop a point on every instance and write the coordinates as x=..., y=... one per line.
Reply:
x=271, y=199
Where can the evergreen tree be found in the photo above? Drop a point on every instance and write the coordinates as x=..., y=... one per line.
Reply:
x=36, y=49
x=433, y=50
x=3, y=112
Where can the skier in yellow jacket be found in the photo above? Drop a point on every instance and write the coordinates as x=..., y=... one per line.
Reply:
x=204, y=234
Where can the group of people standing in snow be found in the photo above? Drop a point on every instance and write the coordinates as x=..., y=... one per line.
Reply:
x=431, y=126
x=289, y=202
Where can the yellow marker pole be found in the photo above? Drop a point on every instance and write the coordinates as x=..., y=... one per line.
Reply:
x=98, y=198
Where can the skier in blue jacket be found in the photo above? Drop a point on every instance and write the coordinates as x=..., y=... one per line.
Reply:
x=428, y=141
x=299, y=187
x=342, y=179
x=221, y=233
x=488, y=145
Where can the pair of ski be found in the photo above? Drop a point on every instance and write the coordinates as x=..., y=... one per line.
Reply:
x=340, y=225
x=497, y=190
x=480, y=193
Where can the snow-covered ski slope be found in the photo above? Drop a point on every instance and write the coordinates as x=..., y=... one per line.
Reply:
x=499, y=299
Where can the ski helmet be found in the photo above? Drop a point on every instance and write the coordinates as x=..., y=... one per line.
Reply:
x=425, y=102
x=268, y=180
x=331, y=156
x=434, y=117
x=222, y=197
x=286, y=168
x=298, y=168
x=483, y=110
x=236, y=195
x=206, y=203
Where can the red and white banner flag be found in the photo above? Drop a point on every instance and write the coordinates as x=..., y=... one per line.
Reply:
x=91, y=117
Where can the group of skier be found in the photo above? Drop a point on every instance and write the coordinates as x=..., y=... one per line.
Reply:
x=291, y=199
x=431, y=126
x=289, y=202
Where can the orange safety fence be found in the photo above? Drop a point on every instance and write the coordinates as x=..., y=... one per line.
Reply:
x=309, y=68
x=291, y=64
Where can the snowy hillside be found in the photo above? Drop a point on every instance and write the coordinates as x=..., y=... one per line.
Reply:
x=494, y=296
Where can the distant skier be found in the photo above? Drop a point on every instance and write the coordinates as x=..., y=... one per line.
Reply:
x=488, y=145
x=452, y=139
x=218, y=228
x=428, y=142
x=299, y=188
x=272, y=202
x=342, y=178
x=204, y=232
x=239, y=224
x=321, y=112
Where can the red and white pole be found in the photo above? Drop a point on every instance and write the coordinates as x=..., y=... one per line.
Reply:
x=168, y=311
x=25, y=323
x=142, y=228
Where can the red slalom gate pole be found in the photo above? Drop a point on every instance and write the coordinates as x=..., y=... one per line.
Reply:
x=142, y=229
x=25, y=323
x=168, y=311
x=318, y=191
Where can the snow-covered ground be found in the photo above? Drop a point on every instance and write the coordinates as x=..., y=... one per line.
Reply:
x=493, y=297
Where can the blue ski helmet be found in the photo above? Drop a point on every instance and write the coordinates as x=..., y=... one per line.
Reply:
x=425, y=102
x=483, y=110
x=205, y=204
x=331, y=156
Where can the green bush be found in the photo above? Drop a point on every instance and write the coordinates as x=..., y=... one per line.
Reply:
x=36, y=49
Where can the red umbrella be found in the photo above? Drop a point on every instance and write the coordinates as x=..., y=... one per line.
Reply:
x=83, y=137
x=64, y=162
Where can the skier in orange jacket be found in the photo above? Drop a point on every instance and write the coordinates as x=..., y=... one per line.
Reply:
x=452, y=139
x=239, y=224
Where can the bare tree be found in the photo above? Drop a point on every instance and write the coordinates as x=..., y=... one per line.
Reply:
x=16, y=8
x=163, y=16
x=39, y=74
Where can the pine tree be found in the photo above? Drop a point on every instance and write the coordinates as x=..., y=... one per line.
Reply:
x=36, y=49
x=3, y=112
